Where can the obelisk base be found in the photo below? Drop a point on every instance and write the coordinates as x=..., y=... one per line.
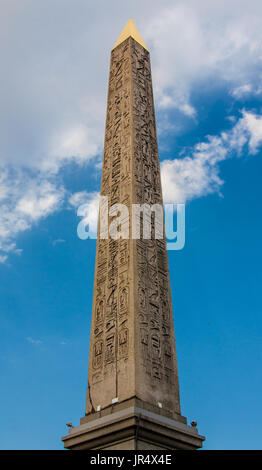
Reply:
x=132, y=428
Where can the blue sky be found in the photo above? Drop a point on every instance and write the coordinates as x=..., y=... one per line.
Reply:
x=206, y=64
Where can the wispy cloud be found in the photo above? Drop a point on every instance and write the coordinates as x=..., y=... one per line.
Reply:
x=59, y=240
x=197, y=174
x=26, y=199
x=33, y=341
x=242, y=90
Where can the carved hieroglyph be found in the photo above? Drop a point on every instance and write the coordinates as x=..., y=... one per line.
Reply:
x=132, y=350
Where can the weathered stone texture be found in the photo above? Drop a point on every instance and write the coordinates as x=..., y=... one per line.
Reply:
x=132, y=351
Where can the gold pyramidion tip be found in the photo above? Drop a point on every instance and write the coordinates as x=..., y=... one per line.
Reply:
x=130, y=29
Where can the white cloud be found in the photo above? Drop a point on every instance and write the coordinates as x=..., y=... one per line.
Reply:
x=78, y=144
x=38, y=202
x=204, y=44
x=28, y=198
x=197, y=174
x=3, y=258
x=82, y=197
x=253, y=124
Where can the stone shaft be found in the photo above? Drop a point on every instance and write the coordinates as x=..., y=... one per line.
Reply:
x=132, y=348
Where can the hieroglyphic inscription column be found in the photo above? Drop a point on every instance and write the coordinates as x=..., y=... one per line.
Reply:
x=132, y=349
x=156, y=369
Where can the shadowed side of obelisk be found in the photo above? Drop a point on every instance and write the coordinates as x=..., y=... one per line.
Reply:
x=156, y=361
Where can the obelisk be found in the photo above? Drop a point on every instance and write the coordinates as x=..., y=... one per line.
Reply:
x=133, y=392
